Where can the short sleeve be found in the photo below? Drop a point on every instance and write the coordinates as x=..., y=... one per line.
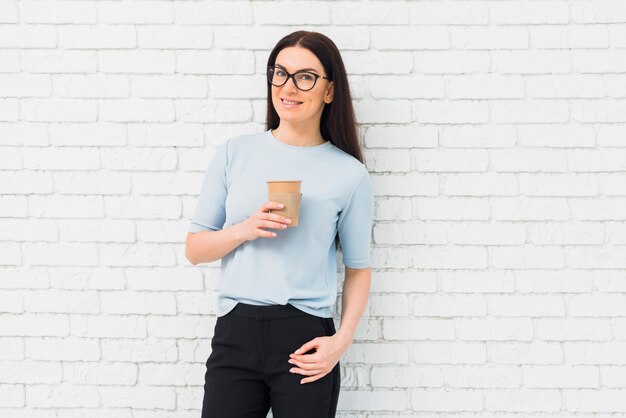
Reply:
x=210, y=210
x=354, y=225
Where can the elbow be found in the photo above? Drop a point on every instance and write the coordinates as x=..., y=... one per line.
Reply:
x=190, y=257
x=189, y=254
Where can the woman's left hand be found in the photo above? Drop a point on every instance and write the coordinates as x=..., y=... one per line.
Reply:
x=317, y=365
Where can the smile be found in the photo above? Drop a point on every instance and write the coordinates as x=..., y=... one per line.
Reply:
x=290, y=103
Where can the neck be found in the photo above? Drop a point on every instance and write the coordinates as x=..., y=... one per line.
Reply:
x=299, y=135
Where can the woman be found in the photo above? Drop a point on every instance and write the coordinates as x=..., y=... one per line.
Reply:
x=275, y=343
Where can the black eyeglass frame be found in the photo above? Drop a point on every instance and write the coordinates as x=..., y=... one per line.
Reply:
x=292, y=76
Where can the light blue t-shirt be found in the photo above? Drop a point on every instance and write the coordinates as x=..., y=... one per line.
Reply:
x=298, y=266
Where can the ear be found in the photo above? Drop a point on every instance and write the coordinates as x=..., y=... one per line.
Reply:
x=328, y=95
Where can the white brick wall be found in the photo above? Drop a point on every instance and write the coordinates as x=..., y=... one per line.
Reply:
x=495, y=134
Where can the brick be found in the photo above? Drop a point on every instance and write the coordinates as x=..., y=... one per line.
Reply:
x=94, y=183
x=60, y=254
x=111, y=326
x=97, y=36
x=11, y=348
x=174, y=37
x=137, y=61
x=12, y=395
x=449, y=160
x=138, y=351
x=25, y=182
x=23, y=134
x=538, y=352
x=83, y=278
x=59, y=61
x=9, y=60
x=379, y=400
x=528, y=400
x=138, y=397
x=494, y=329
x=148, y=12
x=59, y=109
x=481, y=136
x=372, y=353
x=420, y=329
x=27, y=36
x=27, y=372
x=10, y=158
x=216, y=12
x=24, y=277
x=10, y=254
x=137, y=302
x=565, y=87
x=525, y=306
x=66, y=158
x=575, y=329
x=61, y=301
x=410, y=38
x=9, y=12
x=449, y=257
x=143, y=207
x=447, y=306
x=485, y=86
x=450, y=352
x=445, y=111
x=400, y=137
x=62, y=349
x=491, y=38
x=565, y=37
x=449, y=13
x=93, y=373
x=530, y=111
x=62, y=396
x=162, y=231
x=58, y=12
x=97, y=231
x=226, y=61
x=525, y=257
x=372, y=13
x=64, y=206
x=530, y=208
x=182, y=326
x=480, y=184
x=137, y=255
x=522, y=13
x=172, y=374
x=451, y=62
x=410, y=233
x=451, y=208
x=572, y=233
x=291, y=13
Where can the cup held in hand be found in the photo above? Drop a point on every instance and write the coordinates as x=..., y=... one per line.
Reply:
x=288, y=193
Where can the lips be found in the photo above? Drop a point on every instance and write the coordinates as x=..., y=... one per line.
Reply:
x=290, y=102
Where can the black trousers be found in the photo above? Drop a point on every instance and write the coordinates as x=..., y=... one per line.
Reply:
x=248, y=370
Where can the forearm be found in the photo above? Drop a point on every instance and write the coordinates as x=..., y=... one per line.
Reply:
x=208, y=246
x=356, y=289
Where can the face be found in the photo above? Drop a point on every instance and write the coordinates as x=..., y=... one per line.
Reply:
x=312, y=101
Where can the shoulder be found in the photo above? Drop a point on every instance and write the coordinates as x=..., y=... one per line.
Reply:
x=348, y=163
x=244, y=140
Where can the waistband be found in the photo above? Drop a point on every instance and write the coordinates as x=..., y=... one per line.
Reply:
x=267, y=312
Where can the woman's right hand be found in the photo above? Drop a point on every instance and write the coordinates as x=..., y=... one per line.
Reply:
x=252, y=228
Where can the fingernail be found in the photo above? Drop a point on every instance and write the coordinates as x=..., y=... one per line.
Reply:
x=288, y=220
x=280, y=205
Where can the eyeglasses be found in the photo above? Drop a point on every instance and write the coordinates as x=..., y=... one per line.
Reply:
x=304, y=80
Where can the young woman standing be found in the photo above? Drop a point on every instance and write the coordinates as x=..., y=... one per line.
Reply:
x=275, y=343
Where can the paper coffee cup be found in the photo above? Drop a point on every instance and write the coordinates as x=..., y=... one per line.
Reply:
x=288, y=193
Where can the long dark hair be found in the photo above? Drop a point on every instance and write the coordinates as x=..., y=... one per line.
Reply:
x=338, y=124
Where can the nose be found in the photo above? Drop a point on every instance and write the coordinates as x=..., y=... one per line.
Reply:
x=290, y=84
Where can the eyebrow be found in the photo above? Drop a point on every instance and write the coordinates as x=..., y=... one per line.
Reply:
x=303, y=69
